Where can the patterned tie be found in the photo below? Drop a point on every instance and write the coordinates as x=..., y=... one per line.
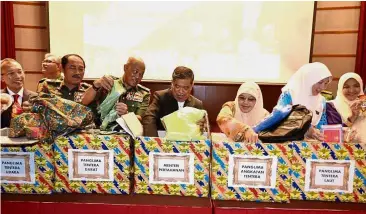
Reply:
x=17, y=108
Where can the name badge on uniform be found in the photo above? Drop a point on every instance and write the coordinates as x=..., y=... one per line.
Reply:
x=78, y=96
x=134, y=96
x=138, y=97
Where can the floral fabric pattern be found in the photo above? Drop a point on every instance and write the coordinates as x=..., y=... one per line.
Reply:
x=119, y=144
x=201, y=151
x=51, y=116
x=304, y=151
x=44, y=170
x=220, y=190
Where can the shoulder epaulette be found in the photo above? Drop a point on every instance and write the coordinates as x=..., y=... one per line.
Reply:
x=327, y=92
x=143, y=87
x=53, y=81
x=42, y=80
x=85, y=85
x=114, y=77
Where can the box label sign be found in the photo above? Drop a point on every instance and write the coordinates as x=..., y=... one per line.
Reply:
x=90, y=165
x=252, y=171
x=17, y=167
x=171, y=168
x=249, y=171
x=329, y=175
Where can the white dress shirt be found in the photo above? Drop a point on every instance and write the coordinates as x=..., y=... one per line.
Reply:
x=20, y=93
x=180, y=105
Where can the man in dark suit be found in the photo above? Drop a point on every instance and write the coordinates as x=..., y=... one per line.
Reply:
x=12, y=74
x=169, y=100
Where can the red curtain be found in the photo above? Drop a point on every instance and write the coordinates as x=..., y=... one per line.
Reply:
x=361, y=44
x=7, y=33
x=7, y=30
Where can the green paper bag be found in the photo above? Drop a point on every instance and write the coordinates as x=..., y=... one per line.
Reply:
x=182, y=125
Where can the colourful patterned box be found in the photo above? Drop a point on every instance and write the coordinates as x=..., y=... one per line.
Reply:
x=27, y=169
x=251, y=172
x=172, y=167
x=87, y=163
x=337, y=172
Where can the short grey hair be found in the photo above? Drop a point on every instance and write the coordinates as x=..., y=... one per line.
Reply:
x=58, y=59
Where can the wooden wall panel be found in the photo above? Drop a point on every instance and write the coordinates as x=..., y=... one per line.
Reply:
x=333, y=86
x=335, y=39
x=337, y=19
x=31, y=38
x=338, y=66
x=335, y=43
x=337, y=3
x=31, y=81
x=31, y=15
x=30, y=65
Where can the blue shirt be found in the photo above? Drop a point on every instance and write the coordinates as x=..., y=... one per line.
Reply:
x=286, y=99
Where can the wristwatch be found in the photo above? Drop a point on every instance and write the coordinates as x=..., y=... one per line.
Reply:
x=239, y=137
x=348, y=123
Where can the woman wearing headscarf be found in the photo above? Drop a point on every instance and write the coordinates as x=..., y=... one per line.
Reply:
x=237, y=118
x=304, y=88
x=345, y=108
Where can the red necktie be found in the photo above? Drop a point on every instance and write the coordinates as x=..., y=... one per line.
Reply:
x=17, y=108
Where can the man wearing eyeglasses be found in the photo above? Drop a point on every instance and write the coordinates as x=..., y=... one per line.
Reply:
x=12, y=74
x=71, y=87
x=137, y=97
x=170, y=100
x=51, y=67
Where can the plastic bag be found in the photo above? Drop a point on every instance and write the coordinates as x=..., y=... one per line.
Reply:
x=107, y=109
x=182, y=125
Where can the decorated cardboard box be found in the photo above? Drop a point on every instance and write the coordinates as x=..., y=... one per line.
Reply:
x=88, y=163
x=329, y=172
x=172, y=167
x=251, y=172
x=27, y=167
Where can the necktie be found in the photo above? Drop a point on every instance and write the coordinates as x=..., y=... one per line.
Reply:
x=17, y=108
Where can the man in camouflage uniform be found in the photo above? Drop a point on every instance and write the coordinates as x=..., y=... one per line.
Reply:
x=137, y=97
x=51, y=67
x=71, y=87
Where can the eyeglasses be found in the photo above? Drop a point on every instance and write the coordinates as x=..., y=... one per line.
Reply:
x=13, y=73
x=48, y=61
x=248, y=99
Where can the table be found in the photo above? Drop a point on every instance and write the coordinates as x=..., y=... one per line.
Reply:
x=103, y=203
x=296, y=207
x=154, y=204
